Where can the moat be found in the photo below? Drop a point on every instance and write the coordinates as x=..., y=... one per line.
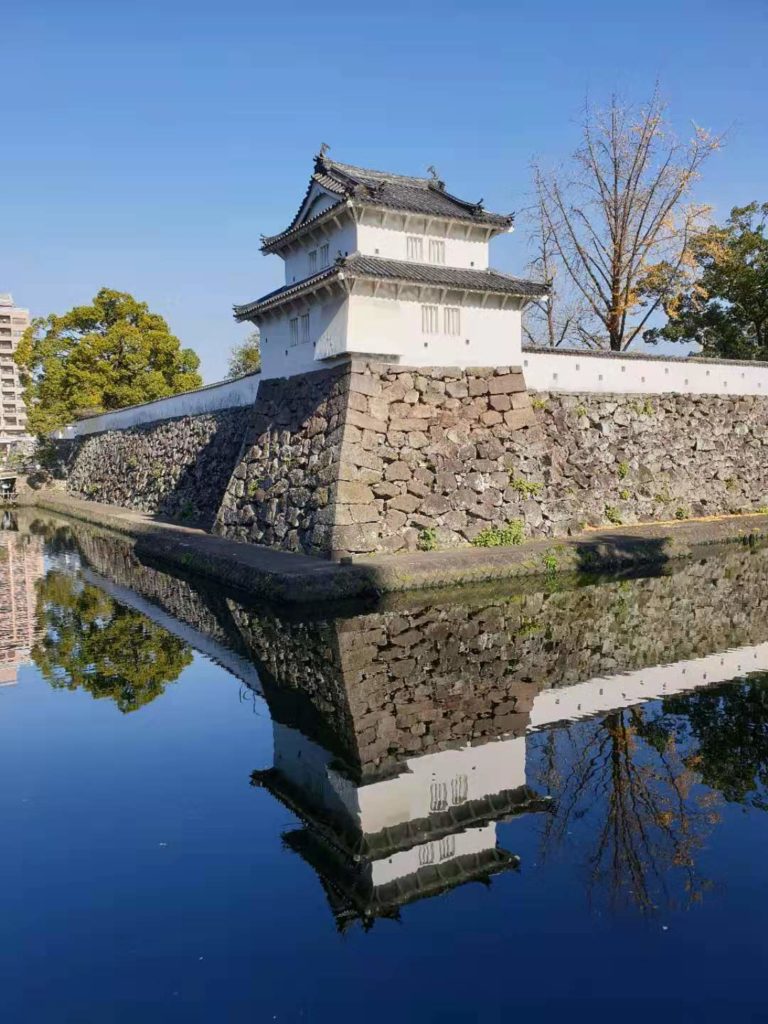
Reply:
x=457, y=806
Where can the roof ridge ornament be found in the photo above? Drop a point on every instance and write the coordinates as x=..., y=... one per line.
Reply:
x=324, y=148
x=435, y=180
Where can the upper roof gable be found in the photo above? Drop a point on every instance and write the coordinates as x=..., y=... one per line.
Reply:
x=369, y=187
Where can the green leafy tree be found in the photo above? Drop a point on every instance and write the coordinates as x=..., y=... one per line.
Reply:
x=88, y=641
x=246, y=357
x=730, y=727
x=723, y=305
x=95, y=358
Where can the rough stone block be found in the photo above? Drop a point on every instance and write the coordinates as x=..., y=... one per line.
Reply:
x=507, y=384
x=517, y=418
x=365, y=422
x=398, y=471
x=352, y=492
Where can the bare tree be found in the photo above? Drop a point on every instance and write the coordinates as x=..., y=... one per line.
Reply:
x=556, y=319
x=618, y=221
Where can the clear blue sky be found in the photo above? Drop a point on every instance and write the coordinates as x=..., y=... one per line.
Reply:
x=146, y=145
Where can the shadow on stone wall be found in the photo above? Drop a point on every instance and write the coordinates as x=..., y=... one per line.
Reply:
x=177, y=469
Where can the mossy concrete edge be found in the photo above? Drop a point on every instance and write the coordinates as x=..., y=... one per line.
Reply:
x=303, y=579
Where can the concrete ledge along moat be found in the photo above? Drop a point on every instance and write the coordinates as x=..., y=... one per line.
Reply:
x=296, y=579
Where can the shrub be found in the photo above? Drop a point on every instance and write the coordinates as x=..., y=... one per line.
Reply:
x=623, y=470
x=613, y=515
x=428, y=539
x=549, y=561
x=526, y=488
x=500, y=536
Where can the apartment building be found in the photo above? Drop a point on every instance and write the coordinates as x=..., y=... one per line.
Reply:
x=13, y=417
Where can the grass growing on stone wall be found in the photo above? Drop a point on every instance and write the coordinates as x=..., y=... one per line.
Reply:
x=428, y=539
x=623, y=470
x=501, y=536
x=613, y=515
x=525, y=488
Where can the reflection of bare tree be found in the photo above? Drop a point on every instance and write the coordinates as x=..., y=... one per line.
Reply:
x=623, y=790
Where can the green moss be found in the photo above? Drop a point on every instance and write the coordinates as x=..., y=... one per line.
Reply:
x=623, y=470
x=625, y=495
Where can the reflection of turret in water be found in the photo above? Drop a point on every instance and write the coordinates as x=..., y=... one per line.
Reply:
x=378, y=842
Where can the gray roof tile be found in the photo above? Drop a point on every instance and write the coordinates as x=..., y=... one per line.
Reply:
x=383, y=189
x=374, y=267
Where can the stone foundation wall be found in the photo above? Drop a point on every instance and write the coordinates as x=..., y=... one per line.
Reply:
x=366, y=457
x=374, y=457
x=630, y=458
x=282, y=492
x=177, y=468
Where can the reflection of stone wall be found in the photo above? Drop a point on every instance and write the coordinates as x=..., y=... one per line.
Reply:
x=403, y=683
x=177, y=468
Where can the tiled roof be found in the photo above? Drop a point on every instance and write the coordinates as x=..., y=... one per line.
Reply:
x=382, y=189
x=374, y=267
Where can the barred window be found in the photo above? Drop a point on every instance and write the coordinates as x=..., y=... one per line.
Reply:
x=304, y=328
x=294, y=325
x=414, y=247
x=452, y=320
x=438, y=796
x=313, y=261
x=429, y=320
x=459, y=789
x=426, y=854
x=324, y=255
x=436, y=251
x=446, y=847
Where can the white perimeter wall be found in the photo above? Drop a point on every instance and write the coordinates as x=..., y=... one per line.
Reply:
x=634, y=374
x=226, y=395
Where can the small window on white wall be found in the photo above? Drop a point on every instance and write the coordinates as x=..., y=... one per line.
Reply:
x=429, y=319
x=436, y=250
x=414, y=247
x=313, y=261
x=452, y=320
x=323, y=256
x=294, y=325
x=304, y=328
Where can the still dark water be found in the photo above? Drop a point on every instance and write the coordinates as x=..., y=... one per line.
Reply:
x=476, y=807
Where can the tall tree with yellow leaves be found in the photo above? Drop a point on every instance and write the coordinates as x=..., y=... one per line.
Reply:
x=618, y=219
